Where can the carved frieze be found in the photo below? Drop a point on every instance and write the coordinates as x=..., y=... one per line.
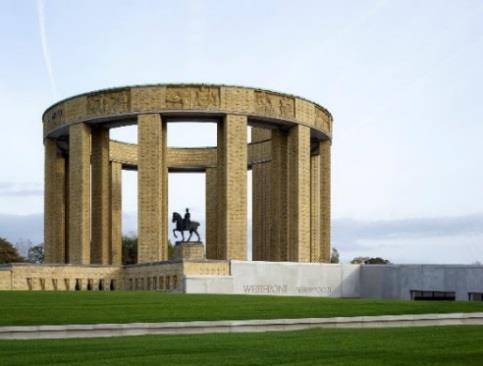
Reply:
x=55, y=116
x=199, y=97
x=206, y=97
x=105, y=103
x=274, y=104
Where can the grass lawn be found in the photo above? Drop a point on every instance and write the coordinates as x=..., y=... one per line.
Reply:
x=389, y=346
x=24, y=308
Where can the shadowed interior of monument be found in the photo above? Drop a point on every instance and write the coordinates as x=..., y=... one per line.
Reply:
x=185, y=188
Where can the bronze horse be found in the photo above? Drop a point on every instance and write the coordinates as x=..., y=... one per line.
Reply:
x=181, y=226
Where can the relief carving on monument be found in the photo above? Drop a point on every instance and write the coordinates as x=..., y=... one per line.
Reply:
x=178, y=97
x=273, y=104
x=206, y=97
x=108, y=102
x=55, y=116
x=199, y=97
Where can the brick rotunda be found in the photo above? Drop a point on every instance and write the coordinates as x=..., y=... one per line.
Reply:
x=289, y=155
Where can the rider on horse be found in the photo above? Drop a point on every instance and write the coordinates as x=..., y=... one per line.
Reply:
x=187, y=219
x=185, y=224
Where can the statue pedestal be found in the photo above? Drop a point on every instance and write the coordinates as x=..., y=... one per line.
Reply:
x=189, y=250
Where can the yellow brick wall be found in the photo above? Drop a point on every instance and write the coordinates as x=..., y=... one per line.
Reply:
x=5, y=279
x=299, y=193
x=115, y=200
x=54, y=204
x=197, y=158
x=63, y=278
x=232, y=179
x=315, y=210
x=325, y=200
x=279, y=197
x=152, y=190
x=211, y=210
x=261, y=201
x=31, y=277
x=204, y=98
x=79, y=194
x=100, y=245
x=188, y=251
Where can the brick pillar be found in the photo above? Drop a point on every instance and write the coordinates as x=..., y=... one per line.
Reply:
x=211, y=213
x=152, y=189
x=325, y=246
x=298, y=144
x=79, y=194
x=261, y=202
x=315, y=208
x=100, y=197
x=67, y=210
x=54, y=204
x=115, y=213
x=232, y=187
x=279, y=197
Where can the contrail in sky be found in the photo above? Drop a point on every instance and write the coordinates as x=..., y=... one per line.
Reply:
x=45, y=49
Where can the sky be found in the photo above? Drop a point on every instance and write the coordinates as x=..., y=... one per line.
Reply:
x=403, y=80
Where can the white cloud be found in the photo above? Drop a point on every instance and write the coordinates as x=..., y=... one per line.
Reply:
x=45, y=48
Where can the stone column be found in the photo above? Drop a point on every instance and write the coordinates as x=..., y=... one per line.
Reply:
x=298, y=144
x=152, y=189
x=261, y=201
x=232, y=187
x=325, y=245
x=211, y=213
x=315, y=208
x=54, y=204
x=279, y=197
x=116, y=213
x=79, y=194
x=67, y=210
x=320, y=249
x=100, y=197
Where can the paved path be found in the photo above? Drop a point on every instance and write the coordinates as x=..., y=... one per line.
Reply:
x=236, y=326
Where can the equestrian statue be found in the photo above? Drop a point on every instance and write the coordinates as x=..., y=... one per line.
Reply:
x=185, y=224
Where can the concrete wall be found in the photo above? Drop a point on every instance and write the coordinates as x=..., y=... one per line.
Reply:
x=397, y=281
x=282, y=278
x=340, y=280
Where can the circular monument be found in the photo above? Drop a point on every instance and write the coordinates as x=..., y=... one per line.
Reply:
x=289, y=155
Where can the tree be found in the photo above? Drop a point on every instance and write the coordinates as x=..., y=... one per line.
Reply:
x=377, y=260
x=369, y=260
x=129, y=249
x=335, y=258
x=359, y=260
x=36, y=254
x=8, y=253
x=170, y=250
